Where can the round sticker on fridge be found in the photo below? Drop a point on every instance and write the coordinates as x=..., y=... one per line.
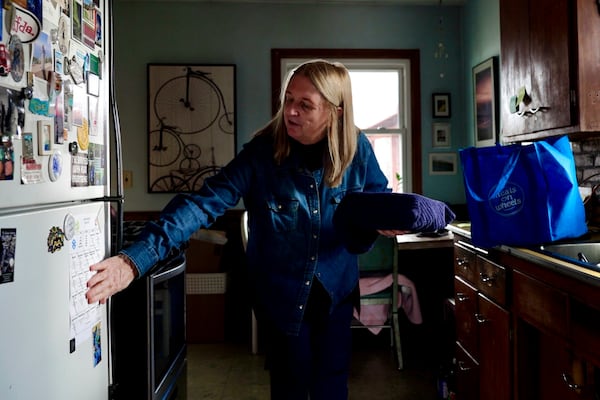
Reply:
x=55, y=166
x=69, y=226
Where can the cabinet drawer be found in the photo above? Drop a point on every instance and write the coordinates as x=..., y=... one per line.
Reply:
x=540, y=305
x=491, y=280
x=465, y=262
x=465, y=314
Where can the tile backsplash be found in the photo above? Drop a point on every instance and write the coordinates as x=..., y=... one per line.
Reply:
x=587, y=161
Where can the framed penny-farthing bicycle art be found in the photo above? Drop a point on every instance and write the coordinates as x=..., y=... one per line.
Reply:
x=191, y=124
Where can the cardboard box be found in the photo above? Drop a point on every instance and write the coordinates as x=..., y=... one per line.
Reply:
x=204, y=252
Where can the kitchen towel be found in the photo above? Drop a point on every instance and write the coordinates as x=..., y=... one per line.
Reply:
x=360, y=214
x=373, y=316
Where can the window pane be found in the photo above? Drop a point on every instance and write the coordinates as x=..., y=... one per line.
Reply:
x=388, y=150
x=375, y=96
x=378, y=93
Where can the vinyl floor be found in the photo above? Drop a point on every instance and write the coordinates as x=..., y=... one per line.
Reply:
x=225, y=371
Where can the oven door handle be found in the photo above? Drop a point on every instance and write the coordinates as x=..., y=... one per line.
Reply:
x=166, y=272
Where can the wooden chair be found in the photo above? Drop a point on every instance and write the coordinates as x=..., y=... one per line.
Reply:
x=381, y=261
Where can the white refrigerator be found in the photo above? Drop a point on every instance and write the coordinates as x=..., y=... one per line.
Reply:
x=59, y=211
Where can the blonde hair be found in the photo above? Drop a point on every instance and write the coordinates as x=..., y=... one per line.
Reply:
x=332, y=80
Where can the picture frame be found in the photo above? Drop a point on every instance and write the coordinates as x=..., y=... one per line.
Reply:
x=191, y=124
x=442, y=164
x=441, y=134
x=485, y=102
x=45, y=136
x=440, y=104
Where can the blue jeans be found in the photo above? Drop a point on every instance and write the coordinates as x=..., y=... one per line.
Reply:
x=317, y=361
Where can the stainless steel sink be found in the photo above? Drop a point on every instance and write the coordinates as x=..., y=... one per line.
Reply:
x=586, y=254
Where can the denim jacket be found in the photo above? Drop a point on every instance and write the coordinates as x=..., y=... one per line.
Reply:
x=292, y=240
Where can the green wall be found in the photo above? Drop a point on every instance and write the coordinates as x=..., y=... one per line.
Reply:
x=244, y=33
x=481, y=30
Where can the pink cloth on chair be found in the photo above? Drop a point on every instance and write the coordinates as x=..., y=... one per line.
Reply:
x=377, y=314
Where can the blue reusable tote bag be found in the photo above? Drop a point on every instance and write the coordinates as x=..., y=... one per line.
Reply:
x=522, y=195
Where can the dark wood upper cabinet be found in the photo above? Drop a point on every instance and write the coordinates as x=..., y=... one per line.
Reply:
x=550, y=49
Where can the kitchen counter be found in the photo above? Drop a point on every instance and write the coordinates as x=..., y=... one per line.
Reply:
x=418, y=241
x=553, y=263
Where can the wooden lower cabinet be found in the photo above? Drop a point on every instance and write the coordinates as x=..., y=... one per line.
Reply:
x=553, y=358
x=483, y=347
x=494, y=350
x=524, y=331
x=483, y=327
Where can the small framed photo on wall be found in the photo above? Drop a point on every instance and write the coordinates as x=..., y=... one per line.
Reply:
x=441, y=105
x=442, y=163
x=441, y=134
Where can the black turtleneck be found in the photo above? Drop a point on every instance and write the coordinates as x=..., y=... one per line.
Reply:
x=310, y=154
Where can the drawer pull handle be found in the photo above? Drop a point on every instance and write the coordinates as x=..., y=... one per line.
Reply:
x=461, y=297
x=462, y=366
x=487, y=279
x=569, y=382
x=481, y=319
x=462, y=262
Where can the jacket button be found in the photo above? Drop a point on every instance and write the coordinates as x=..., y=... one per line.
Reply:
x=307, y=283
x=301, y=306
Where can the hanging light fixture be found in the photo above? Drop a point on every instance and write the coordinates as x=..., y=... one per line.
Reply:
x=440, y=49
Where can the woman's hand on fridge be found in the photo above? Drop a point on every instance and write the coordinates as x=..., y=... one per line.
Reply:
x=112, y=275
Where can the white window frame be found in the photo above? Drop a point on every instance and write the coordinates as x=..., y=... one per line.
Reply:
x=402, y=66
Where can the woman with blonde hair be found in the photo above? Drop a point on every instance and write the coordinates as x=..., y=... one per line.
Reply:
x=291, y=176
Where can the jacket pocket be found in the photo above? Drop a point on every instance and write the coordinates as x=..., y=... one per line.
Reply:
x=283, y=214
x=336, y=195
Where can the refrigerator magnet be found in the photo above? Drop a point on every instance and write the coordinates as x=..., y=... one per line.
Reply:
x=56, y=239
x=8, y=244
x=83, y=135
x=64, y=33
x=44, y=137
x=55, y=165
x=15, y=49
x=69, y=226
x=97, y=340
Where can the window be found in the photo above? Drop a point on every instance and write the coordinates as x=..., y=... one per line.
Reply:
x=380, y=106
x=385, y=104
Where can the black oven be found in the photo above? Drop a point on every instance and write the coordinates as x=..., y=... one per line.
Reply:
x=148, y=335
